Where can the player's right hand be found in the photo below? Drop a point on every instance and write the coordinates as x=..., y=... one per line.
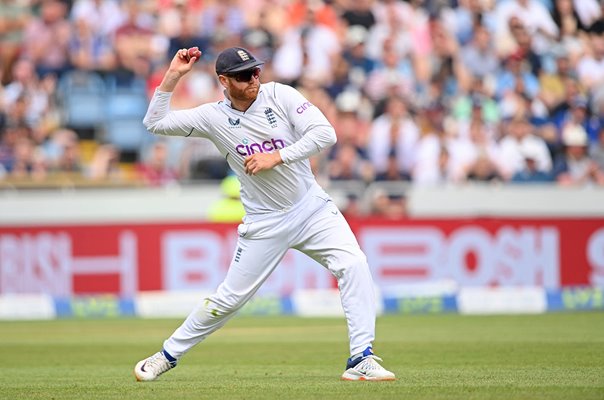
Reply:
x=183, y=61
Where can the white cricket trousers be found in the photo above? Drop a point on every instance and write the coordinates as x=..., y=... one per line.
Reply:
x=315, y=227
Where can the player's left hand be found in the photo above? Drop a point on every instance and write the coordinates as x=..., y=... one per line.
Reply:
x=261, y=161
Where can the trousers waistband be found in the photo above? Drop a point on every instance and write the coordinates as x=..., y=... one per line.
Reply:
x=314, y=190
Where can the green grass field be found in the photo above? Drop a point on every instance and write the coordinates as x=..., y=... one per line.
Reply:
x=551, y=356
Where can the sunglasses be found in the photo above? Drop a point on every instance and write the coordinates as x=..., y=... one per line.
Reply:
x=245, y=76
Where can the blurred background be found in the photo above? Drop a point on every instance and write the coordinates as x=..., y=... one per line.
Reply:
x=469, y=161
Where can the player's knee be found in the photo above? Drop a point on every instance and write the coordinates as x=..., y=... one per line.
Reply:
x=226, y=307
x=349, y=264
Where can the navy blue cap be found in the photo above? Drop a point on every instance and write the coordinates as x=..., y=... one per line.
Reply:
x=235, y=59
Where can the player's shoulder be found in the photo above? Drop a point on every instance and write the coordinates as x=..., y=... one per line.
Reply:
x=279, y=91
x=213, y=104
x=211, y=112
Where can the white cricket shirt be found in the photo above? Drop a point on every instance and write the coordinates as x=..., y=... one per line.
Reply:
x=279, y=119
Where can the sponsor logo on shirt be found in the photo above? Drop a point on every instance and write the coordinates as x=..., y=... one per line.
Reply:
x=234, y=122
x=247, y=148
x=306, y=105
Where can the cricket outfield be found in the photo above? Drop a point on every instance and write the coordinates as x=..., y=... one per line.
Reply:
x=446, y=356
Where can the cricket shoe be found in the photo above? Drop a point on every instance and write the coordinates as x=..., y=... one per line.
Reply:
x=365, y=367
x=151, y=368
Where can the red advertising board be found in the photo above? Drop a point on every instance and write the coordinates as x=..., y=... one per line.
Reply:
x=125, y=259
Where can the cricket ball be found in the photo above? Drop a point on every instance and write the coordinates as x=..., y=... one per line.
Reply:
x=194, y=52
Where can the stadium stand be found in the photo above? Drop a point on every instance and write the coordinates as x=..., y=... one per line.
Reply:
x=437, y=92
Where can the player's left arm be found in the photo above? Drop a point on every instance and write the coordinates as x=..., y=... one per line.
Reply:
x=311, y=125
x=315, y=130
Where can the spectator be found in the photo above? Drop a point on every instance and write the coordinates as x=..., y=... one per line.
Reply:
x=355, y=54
x=392, y=171
x=591, y=66
x=222, y=18
x=175, y=15
x=352, y=207
x=133, y=46
x=89, y=50
x=201, y=161
x=588, y=11
x=351, y=128
x=28, y=93
x=525, y=49
x=102, y=16
x=575, y=167
x=466, y=17
x=393, y=76
x=516, y=77
x=578, y=114
x=394, y=27
x=445, y=66
x=46, y=39
x=349, y=165
x=388, y=206
x=553, y=83
x=341, y=78
x=10, y=135
x=24, y=164
x=69, y=161
x=17, y=112
x=307, y=50
x=533, y=15
x=567, y=19
x=323, y=12
x=13, y=19
x=402, y=10
x=433, y=167
x=394, y=132
x=55, y=145
x=530, y=173
x=154, y=170
x=521, y=134
x=596, y=150
x=483, y=170
x=475, y=156
x=572, y=90
x=475, y=105
x=479, y=55
x=105, y=165
x=433, y=162
x=258, y=38
x=359, y=13
x=549, y=133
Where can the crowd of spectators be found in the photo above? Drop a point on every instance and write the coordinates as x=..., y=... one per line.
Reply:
x=428, y=92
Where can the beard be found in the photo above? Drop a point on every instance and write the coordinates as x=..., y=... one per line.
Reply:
x=249, y=93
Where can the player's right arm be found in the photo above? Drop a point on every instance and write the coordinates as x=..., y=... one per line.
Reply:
x=159, y=118
x=180, y=65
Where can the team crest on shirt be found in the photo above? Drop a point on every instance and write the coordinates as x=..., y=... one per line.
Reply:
x=235, y=123
x=270, y=117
